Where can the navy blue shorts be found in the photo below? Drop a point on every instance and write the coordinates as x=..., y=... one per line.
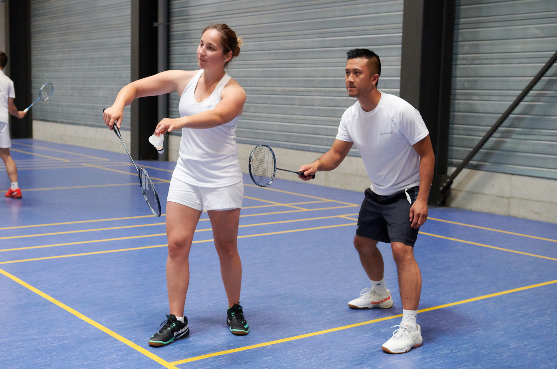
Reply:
x=386, y=218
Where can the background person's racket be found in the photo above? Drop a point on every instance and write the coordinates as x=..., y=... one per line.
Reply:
x=263, y=166
x=44, y=94
x=147, y=186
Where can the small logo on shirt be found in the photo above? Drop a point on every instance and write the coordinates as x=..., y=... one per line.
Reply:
x=386, y=133
x=209, y=106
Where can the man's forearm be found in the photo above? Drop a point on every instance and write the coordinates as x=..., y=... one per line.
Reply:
x=328, y=161
x=427, y=167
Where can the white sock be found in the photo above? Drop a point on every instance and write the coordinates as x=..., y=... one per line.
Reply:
x=409, y=318
x=379, y=287
x=14, y=186
x=180, y=318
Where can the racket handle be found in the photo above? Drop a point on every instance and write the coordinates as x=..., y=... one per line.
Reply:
x=26, y=110
x=302, y=174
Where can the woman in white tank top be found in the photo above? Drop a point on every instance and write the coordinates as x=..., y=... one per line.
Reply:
x=207, y=175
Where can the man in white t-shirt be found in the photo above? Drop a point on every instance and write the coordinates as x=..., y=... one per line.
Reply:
x=7, y=106
x=394, y=143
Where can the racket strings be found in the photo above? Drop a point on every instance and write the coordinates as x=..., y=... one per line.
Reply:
x=149, y=192
x=46, y=91
x=262, y=166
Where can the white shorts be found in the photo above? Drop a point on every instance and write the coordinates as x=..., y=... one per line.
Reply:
x=5, y=142
x=206, y=198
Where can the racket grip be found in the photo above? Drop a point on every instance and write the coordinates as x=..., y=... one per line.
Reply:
x=26, y=110
x=302, y=174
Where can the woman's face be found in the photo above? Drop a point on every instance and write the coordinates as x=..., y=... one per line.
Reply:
x=210, y=52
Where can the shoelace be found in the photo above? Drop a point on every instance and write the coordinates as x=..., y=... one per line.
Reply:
x=367, y=292
x=166, y=323
x=238, y=314
x=401, y=332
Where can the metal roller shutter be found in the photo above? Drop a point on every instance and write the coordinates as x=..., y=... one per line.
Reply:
x=83, y=48
x=292, y=61
x=499, y=47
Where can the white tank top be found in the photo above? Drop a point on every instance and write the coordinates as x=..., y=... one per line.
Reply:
x=208, y=157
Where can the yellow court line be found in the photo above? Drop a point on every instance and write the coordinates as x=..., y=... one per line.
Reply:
x=299, y=194
x=147, y=225
x=34, y=160
x=82, y=231
x=488, y=246
x=325, y=331
x=75, y=187
x=347, y=217
x=50, y=168
x=152, y=216
x=296, y=211
x=274, y=203
x=65, y=152
x=52, y=163
x=111, y=333
x=121, y=171
x=151, y=247
x=492, y=229
x=82, y=221
x=44, y=156
x=160, y=234
x=68, y=165
x=90, y=253
x=84, y=242
x=164, y=170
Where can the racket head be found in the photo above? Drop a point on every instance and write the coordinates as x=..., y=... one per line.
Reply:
x=46, y=91
x=149, y=192
x=262, y=165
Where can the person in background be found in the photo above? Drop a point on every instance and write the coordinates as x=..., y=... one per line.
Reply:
x=7, y=106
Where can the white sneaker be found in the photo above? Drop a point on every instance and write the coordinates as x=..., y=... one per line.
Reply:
x=403, y=339
x=369, y=299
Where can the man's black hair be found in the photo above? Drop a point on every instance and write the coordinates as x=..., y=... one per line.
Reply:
x=365, y=53
x=3, y=60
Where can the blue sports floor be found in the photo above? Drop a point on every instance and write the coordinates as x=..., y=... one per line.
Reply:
x=83, y=284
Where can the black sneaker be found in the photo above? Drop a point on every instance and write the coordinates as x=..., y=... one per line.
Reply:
x=236, y=321
x=172, y=329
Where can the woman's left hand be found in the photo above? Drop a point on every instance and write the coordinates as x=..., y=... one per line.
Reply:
x=168, y=125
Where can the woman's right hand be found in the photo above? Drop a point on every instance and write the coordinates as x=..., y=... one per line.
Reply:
x=113, y=115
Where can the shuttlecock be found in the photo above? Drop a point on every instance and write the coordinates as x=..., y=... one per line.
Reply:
x=157, y=141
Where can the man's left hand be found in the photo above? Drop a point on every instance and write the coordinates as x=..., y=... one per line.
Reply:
x=418, y=213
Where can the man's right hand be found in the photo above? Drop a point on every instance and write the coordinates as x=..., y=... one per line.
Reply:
x=308, y=170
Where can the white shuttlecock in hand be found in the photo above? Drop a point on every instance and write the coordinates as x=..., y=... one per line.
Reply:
x=157, y=142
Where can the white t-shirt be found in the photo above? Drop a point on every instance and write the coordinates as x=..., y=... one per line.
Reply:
x=208, y=157
x=384, y=138
x=6, y=90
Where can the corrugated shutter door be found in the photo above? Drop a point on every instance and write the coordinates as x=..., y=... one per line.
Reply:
x=499, y=47
x=83, y=48
x=292, y=61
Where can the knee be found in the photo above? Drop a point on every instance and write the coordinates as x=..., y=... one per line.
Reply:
x=227, y=250
x=176, y=250
x=402, y=253
x=364, y=245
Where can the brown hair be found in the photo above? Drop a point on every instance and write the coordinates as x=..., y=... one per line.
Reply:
x=3, y=60
x=230, y=42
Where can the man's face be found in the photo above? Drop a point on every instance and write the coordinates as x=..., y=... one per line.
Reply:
x=358, y=77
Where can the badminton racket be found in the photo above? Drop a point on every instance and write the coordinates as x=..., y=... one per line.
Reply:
x=263, y=166
x=147, y=186
x=44, y=94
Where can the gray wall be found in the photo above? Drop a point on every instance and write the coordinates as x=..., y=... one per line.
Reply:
x=499, y=47
x=83, y=48
x=292, y=61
